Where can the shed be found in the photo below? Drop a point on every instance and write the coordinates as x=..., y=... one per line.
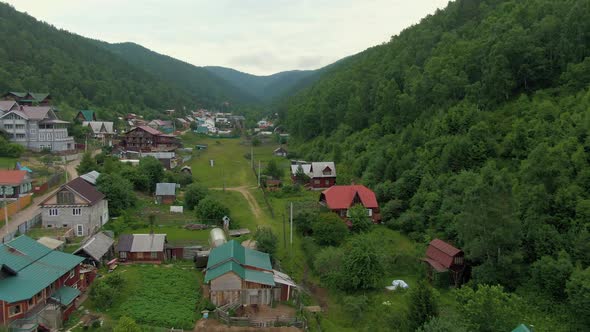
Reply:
x=280, y=152
x=97, y=250
x=442, y=257
x=146, y=248
x=51, y=243
x=165, y=193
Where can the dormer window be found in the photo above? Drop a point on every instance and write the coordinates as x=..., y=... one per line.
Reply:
x=327, y=171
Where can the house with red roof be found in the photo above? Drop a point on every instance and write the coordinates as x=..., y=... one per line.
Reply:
x=14, y=183
x=340, y=198
x=145, y=138
x=442, y=257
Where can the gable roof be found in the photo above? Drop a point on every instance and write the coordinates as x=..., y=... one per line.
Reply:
x=165, y=189
x=306, y=169
x=13, y=177
x=440, y=254
x=317, y=169
x=8, y=105
x=142, y=242
x=35, y=267
x=147, y=129
x=98, y=127
x=343, y=197
x=96, y=246
x=82, y=188
x=261, y=277
x=88, y=115
x=279, y=149
x=232, y=250
x=91, y=177
x=38, y=112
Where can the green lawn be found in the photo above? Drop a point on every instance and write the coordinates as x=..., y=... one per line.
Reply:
x=6, y=162
x=157, y=295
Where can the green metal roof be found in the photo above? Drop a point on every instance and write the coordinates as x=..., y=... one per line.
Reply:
x=65, y=295
x=521, y=328
x=265, y=278
x=232, y=257
x=18, y=94
x=88, y=115
x=244, y=256
x=35, y=265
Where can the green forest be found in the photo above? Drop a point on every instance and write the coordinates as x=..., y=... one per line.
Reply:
x=473, y=126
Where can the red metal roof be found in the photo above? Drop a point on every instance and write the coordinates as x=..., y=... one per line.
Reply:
x=9, y=177
x=342, y=197
x=441, y=252
x=150, y=130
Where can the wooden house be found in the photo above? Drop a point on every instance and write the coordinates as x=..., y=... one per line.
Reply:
x=14, y=183
x=35, y=282
x=321, y=175
x=142, y=248
x=235, y=274
x=145, y=138
x=85, y=115
x=29, y=98
x=442, y=257
x=341, y=198
x=165, y=193
x=97, y=250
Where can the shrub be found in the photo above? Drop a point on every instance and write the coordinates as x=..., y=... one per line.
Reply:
x=266, y=240
x=329, y=229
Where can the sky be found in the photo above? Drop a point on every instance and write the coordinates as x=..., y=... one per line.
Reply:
x=260, y=37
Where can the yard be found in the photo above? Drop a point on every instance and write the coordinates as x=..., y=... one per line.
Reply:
x=156, y=295
x=7, y=163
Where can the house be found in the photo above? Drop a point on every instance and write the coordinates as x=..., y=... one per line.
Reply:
x=442, y=257
x=29, y=98
x=165, y=193
x=14, y=183
x=162, y=125
x=144, y=248
x=167, y=159
x=145, y=138
x=85, y=116
x=280, y=152
x=182, y=123
x=341, y=198
x=97, y=250
x=37, y=128
x=78, y=205
x=321, y=174
x=35, y=283
x=235, y=274
x=101, y=130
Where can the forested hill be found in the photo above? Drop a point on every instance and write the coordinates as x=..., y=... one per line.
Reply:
x=199, y=81
x=271, y=87
x=473, y=126
x=80, y=74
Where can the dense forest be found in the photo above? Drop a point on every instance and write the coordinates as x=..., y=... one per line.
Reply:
x=472, y=126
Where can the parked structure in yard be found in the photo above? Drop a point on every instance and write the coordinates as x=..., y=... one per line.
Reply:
x=29, y=98
x=341, y=198
x=37, y=128
x=37, y=284
x=238, y=275
x=321, y=174
x=143, y=248
x=85, y=116
x=97, y=250
x=78, y=205
x=13, y=183
x=280, y=152
x=441, y=258
x=165, y=193
x=144, y=138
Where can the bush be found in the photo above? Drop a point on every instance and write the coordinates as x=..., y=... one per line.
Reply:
x=266, y=240
x=328, y=265
x=329, y=230
x=304, y=222
x=211, y=210
x=193, y=195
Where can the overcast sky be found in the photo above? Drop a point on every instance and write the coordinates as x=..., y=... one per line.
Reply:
x=256, y=36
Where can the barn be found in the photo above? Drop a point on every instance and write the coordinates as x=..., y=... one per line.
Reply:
x=442, y=257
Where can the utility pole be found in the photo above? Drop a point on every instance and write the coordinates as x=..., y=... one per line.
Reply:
x=259, y=174
x=252, y=156
x=5, y=207
x=284, y=233
x=291, y=224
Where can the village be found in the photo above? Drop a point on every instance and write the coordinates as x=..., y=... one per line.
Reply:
x=64, y=256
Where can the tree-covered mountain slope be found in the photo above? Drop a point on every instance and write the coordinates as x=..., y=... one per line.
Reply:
x=473, y=126
x=198, y=80
x=80, y=74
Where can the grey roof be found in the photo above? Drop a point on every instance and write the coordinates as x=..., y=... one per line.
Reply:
x=96, y=246
x=165, y=189
x=96, y=126
x=50, y=243
x=38, y=112
x=91, y=177
x=143, y=243
x=7, y=105
x=306, y=169
x=317, y=169
x=159, y=155
x=125, y=242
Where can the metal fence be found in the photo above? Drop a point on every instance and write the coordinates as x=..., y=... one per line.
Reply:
x=22, y=228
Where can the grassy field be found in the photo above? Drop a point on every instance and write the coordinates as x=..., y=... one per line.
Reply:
x=7, y=163
x=157, y=295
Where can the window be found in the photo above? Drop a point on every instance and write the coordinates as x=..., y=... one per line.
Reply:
x=14, y=310
x=65, y=197
x=80, y=230
x=123, y=254
x=458, y=260
x=327, y=182
x=316, y=181
x=7, y=126
x=76, y=211
x=154, y=255
x=31, y=302
x=72, y=274
x=64, y=225
x=53, y=212
x=49, y=225
x=370, y=212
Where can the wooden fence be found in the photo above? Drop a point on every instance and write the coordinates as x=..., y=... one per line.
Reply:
x=15, y=206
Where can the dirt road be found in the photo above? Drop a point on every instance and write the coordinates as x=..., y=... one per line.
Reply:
x=249, y=198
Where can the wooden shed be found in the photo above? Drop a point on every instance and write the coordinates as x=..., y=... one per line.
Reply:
x=442, y=257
